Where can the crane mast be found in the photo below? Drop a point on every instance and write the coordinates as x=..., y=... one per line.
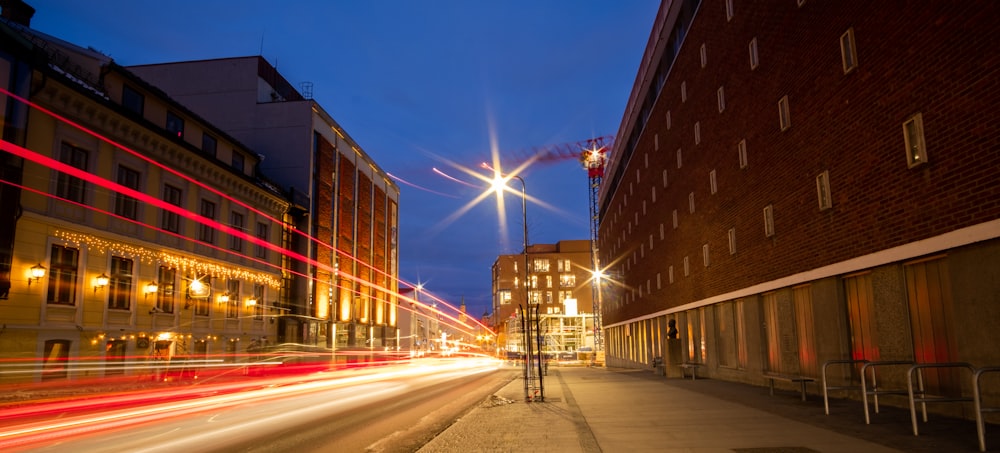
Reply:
x=593, y=158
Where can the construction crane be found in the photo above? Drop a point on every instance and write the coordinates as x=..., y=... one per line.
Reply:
x=592, y=154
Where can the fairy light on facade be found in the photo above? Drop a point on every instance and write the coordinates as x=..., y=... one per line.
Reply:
x=182, y=264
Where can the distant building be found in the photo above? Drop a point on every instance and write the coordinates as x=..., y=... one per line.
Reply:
x=131, y=234
x=802, y=181
x=347, y=201
x=557, y=283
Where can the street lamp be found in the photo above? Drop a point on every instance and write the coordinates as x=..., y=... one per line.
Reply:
x=500, y=184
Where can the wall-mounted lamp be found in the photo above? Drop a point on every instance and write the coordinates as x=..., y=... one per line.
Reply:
x=101, y=281
x=223, y=298
x=150, y=288
x=37, y=273
x=251, y=302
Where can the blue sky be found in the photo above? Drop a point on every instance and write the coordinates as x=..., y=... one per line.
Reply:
x=420, y=85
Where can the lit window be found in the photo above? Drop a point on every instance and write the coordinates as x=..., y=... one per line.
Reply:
x=120, y=283
x=783, y=115
x=823, y=190
x=848, y=52
x=913, y=137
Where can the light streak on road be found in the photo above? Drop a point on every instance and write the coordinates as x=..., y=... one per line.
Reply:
x=232, y=411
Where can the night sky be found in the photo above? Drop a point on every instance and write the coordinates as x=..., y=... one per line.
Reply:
x=420, y=85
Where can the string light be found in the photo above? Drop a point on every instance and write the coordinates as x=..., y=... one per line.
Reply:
x=183, y=264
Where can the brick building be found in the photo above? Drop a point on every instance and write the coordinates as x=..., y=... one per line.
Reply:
x=801, y=181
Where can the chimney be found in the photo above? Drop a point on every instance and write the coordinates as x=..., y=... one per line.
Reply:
x=17, y=11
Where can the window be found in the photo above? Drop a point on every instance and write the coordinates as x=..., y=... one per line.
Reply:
x=913, y=137
x=697, y=132
x=71, y=187
x=120, y=285
x=687, y=267
x=233, y=293
x=565, y=295
x=260, y=251
x=720, y=95
x=62, y=279
x=729, y=10
x=548, y=281
x=534, y=297
x=54, y=365
x=732, y=241
x=209, y=145
x=540, y=265
x=704, y=56
x=684, y=91
x=132, y=100
x=238, y=161
x=754, y=61
x=675, y=218
x=166, y=278
x=670, y=274
x=533, y=281
x=125, y=205
x=769, y=221
x=171, y=220
x=741, y=148
x=679, y=160
x=567, y=280
x=712, y=184
x=504, y=296
x=668, y=120
x=691, y=202
x=114, y=357
x=783, y=116
x=548, y=297
x=205, y=232
x=664, y=177
x=257, y=306
x=200, y=290
x=175, y=125
x=236, y=222
x=823, y=190
x=704, y=254
x=848, y=53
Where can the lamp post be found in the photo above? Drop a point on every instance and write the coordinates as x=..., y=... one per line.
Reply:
x=499, y=183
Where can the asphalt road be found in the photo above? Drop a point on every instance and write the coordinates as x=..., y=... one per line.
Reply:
x=394, y=410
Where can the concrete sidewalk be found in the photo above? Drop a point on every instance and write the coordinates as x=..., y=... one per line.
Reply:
x=615, y=410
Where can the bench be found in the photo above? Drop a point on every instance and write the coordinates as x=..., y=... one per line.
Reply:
x=693, y=366
x=801, y=380
x=658, y=366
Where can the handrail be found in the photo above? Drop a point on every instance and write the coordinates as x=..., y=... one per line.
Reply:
x=978, y=402
x=875, y=391
x=923, y=397
x=826, y=400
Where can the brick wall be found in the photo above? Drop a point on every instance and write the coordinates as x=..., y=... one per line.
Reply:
x=934, y=59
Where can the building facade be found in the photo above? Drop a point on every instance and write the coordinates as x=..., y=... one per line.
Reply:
x=136, y=235
x=556, y=281
x=348, y=294
x=801, y=181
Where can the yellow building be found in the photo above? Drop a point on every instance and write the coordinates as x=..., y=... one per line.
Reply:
x=159, y=239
